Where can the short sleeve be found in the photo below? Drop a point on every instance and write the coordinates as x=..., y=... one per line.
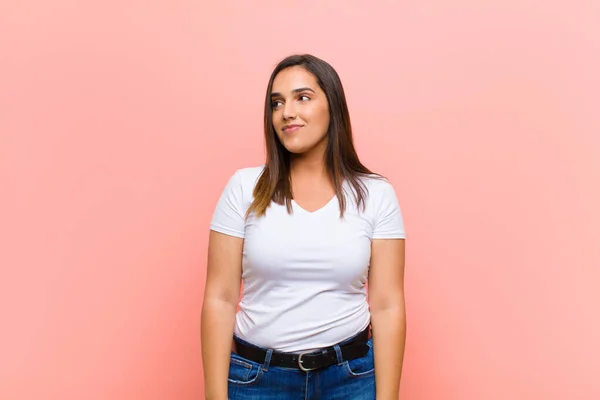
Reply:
x=389, y=222
x=229, y=216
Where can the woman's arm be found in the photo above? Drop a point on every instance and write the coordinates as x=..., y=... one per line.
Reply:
x=388, y=317
x=221, y=298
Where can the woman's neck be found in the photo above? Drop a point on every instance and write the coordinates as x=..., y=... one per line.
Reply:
x=308, y=165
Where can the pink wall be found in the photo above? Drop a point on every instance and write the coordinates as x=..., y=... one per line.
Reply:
x=121, y=121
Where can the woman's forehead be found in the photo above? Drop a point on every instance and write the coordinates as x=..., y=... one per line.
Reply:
x=293, y=78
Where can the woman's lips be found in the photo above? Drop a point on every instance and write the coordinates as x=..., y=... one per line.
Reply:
x=291, y=128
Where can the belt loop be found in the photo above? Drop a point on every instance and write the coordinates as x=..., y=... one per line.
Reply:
x=265, y=366
x=338, y=353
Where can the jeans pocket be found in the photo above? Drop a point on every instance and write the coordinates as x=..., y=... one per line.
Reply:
x=362, y=366
x=242, y=371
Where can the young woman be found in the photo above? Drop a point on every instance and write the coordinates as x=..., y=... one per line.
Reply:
x=304, y=233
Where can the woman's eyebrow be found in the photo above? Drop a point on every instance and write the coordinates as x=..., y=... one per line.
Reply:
x=276, y=94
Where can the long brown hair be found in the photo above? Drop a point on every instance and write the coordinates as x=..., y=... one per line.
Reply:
x=341, y=159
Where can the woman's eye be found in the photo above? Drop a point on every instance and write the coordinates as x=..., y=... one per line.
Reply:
x=304, y=97
x=276, y=104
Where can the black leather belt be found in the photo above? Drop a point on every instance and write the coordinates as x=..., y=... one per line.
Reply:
x=308, y=361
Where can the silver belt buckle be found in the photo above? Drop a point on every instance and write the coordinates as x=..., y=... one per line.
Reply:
x=300, y=363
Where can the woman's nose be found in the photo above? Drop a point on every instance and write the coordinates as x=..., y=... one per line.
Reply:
x=289, y=111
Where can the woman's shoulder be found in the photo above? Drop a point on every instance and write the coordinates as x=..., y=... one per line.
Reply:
x=379, y=192
x=383, y=207
x=249, y=175
x=242, y=182
x=238, y=191
x=377, y=184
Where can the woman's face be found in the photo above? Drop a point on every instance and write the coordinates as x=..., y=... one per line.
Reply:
x=300, y=111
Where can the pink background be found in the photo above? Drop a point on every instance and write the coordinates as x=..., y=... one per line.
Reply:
x=120, y=122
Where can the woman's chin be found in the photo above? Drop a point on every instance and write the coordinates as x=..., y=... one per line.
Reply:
x=296, y=149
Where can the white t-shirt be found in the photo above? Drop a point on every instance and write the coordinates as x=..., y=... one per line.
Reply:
x=304, y=273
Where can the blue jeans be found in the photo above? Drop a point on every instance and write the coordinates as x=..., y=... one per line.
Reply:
x=346, y=380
